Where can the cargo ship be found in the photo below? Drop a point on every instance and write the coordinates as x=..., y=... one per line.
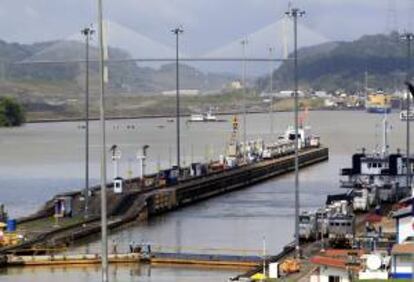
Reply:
x=378, y=102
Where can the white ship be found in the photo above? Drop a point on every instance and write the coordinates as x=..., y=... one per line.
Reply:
x=206, y=117
x=196, y=118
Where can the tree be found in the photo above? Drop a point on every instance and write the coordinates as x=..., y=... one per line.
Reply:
x=11, y=112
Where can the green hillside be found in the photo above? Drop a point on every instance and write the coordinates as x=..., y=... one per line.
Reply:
x=342, y=65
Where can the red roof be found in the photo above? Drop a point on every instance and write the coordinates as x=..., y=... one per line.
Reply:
x=341, y=252
x=337, y=258
x=333, y=262
x=373, y=218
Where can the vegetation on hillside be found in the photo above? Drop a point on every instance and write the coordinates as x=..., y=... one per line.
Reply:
x=343, y=65
x=11, y=112
x=35, y=63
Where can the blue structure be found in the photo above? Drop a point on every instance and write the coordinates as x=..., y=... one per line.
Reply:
x=402, y=252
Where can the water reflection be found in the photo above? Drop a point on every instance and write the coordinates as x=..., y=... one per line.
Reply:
x=117, y=273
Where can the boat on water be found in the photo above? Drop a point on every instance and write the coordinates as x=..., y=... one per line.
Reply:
x=378, y=102
x=404, y=116
x=210, y=117
x=196, y=118
x=377, y=177
x=206, y=117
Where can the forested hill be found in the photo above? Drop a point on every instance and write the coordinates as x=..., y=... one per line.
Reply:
x=19, y=63
x=342, y=65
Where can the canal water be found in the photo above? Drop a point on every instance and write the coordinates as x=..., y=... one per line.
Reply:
x=39, y=160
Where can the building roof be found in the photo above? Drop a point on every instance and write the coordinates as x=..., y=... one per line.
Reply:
x=337, y=258
x=403, y=212
x=402, y=249
x=341, y=253
x=333, y=262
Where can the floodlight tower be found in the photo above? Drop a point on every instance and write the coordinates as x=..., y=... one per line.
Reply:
x=177, y=31
x=244, y=43
x=408, y=37
x=104, y=221
x=271, y=91
x=294, y=13
x=87, y=32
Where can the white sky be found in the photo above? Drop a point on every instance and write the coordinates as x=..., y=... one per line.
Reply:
x=209, y=24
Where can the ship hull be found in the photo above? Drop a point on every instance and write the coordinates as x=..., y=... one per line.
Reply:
x=379, y=110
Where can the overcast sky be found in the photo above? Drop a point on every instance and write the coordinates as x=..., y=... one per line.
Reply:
x=209, y=24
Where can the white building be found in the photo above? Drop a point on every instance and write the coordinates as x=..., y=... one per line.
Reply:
x=403, y=252
x=334, y=266
x=183, y=92
x=235, y=85
x=290, y=93
x=404, y=223
x=321, y=94
x=402, y=261
x=330, y=274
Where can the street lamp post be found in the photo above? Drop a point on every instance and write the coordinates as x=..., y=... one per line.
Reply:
x=177, y=31
x=104, y=223
x=295, y=13
x=142, y=158
x=411, y=91
x=408, y=37
x=87, y=32
x=244, y=42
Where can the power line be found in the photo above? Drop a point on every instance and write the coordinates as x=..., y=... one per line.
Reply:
x=114, y=61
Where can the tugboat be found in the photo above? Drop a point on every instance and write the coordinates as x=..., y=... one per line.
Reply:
x=377, y=177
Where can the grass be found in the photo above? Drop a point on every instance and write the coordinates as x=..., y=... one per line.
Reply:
x=47, y=224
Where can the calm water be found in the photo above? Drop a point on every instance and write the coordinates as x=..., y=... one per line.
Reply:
x=40, y=160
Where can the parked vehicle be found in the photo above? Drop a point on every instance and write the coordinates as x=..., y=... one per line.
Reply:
x=307, y=226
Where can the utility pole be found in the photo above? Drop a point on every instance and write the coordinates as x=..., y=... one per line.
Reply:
x=271, y=93
x=177, y=31
x=408, y=37
x=87, y=32
x=244, y=42
x=295, y=13
x=104, y=223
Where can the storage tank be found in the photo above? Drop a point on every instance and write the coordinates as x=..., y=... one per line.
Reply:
x=11, y=225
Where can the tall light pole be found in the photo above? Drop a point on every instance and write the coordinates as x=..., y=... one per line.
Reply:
x=408, y=37
x=244, y=42
x=177, y=31
x=87, y=32
x=104, y=223
x=295, y=13
x=271, y=92
x=411, y=91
